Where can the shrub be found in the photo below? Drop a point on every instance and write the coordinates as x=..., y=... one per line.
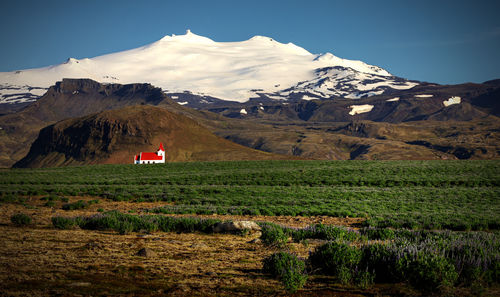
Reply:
x=364, y=278
x=429, y=272
x=288, y=268
x=328, y=232
x=20, y=219
x=49, y=204
x=125, y=227
x=126, y=223
x=273, y=235
x=492, y=275
x=80, y=204
x=11, y=198
x=378, y=233
x=379, y=259
x=63, y=222
x=337, y=259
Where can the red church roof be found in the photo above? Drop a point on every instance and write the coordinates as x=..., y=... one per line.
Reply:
x=161, y=147
x=150, y=157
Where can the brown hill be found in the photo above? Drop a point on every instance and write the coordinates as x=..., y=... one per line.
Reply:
x=75, y=98
x=116, y=136
x=369, y=140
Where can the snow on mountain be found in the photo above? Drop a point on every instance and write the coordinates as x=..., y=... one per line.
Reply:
x=346, y=82
x=358, y=109
x=12, y=94
x=233, y=71
x=452, y=100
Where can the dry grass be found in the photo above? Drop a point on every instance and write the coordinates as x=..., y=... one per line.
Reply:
x=39, y=260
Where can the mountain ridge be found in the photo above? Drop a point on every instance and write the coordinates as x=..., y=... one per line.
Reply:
x=425, y=122
x=231, y=71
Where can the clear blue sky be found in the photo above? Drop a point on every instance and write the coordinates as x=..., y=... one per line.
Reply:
x=437, y=41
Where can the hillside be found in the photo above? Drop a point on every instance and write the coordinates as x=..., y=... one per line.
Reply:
x=114, y=137
x=411, y=127
x=463, y=102
x=368, y=140
x=71, y=98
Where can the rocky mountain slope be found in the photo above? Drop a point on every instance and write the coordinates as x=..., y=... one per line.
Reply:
x=73, y=98
x=426, y=122
x=115, y=136
x=427, y=101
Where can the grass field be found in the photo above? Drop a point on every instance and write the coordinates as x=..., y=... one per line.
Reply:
x=323, y=229
x=456, y=195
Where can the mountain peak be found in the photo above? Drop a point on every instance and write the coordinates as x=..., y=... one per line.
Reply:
x=188, y=37
x=71, y=61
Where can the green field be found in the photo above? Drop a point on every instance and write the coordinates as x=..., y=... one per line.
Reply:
x=457, y=195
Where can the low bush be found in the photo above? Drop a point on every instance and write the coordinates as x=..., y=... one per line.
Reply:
x=49, y=204
x=80, y=204
x=378, y=233
x=20, y=219
x=364, y=278
x=11, y=198
x=327, y=232
x=338, y=259
x=126, y=223
x=428, y=272
x=64, y=222
x=378, y=258
x=288, y=268
x=431, y=261
x=274, y=235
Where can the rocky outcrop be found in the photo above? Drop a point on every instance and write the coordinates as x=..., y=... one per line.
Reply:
x=236, y=227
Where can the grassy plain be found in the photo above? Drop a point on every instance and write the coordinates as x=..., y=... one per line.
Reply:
x=38, y=259
x=457, y=195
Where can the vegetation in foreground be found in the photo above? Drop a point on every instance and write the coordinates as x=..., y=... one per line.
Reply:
x=416, y=212
x=430, y=261
x=126, y=223
x=456, y=195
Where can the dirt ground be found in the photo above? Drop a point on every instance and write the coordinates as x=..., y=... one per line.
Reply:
x=39, y=260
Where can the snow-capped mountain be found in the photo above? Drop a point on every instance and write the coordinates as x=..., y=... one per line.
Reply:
x=234, y=71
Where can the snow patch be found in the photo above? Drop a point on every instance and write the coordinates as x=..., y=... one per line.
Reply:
x=357, y=109
x=392, y=99
x=174, y=97
x=424, y=96
x=243, y=111
x=452, y=100
x=306, y=97
x=38, y=92
x=183, y=103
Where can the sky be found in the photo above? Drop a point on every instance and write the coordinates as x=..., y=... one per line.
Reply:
x=441, y=41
